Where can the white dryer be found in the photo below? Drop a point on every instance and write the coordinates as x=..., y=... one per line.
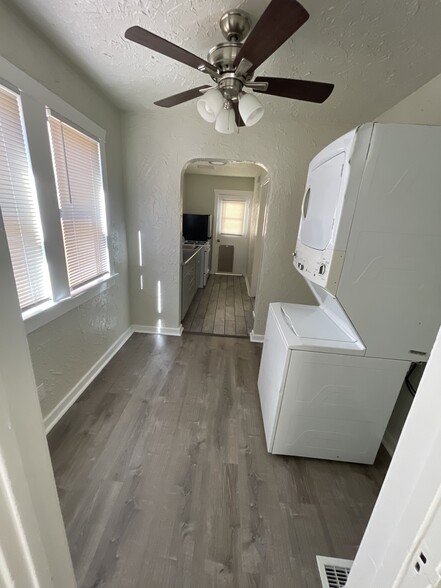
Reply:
x=369, y=230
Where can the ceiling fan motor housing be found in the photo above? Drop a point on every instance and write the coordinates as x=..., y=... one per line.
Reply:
x=222, y=56
x=235, y=26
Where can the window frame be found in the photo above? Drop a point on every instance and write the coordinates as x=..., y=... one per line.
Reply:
x=21, y=218
x=55, y=115
x=36, y=100
x=244, y=231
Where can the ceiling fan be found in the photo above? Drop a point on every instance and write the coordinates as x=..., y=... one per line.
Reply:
x=232, y=64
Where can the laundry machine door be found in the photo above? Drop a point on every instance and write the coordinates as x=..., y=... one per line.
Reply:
x=320, y=203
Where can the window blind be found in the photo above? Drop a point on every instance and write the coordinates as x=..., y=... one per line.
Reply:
x=233, y=217
x=18, y=202
x=77, y=165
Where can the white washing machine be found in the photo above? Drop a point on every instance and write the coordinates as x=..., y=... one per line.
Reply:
x=320, y=396
x=330, y=374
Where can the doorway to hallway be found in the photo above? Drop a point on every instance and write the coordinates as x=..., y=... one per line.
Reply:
x=223, y=307
x=220, y=261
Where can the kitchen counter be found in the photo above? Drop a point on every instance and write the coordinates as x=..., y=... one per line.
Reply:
x=188, y=253
x=192, y=257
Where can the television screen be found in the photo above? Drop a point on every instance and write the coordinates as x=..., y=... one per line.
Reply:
x=196, y=227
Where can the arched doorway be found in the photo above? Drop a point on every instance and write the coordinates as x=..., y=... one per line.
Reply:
x=223, y=207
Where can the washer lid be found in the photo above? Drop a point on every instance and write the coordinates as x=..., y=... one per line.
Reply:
x=311, y=322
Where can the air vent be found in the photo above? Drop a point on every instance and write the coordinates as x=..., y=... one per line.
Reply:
x=334, y=572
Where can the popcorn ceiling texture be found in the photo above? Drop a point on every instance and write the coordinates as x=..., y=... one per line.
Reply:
x=65, y=349
x=157, y=147
x=376, y=52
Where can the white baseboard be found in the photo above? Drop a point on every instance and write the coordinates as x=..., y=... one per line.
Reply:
x=390, y=443
x=255, y=338
x=173, y=331
x=63, y=406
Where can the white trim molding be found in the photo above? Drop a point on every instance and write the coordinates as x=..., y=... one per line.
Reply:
x=256, y=338
x=46, y=313
x=63, y=406
x=159, y=330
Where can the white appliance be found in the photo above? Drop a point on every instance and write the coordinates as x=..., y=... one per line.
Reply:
x=367, y=244
x=204, y=267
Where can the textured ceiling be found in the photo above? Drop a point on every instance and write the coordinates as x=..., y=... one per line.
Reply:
x=234, y=169
x=375, y=51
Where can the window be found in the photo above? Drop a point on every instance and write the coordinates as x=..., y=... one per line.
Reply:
x=77, y=165
x=232, y=221
x=18, y=202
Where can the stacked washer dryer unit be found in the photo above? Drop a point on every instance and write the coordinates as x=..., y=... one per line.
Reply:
x=368, y=246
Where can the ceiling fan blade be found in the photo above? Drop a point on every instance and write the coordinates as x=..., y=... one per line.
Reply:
x=297, y=89
x=182, y=97
x=160, y=45
x=281, y=19
x=239, y=120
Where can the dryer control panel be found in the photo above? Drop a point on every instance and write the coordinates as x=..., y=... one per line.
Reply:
x=321, y=267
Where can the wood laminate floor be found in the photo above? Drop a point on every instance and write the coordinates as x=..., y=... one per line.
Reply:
x=165, y=482
x=223, y=307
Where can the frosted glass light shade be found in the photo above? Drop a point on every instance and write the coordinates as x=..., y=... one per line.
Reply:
x=226, y=122
x=210, y=105
x=250, y=109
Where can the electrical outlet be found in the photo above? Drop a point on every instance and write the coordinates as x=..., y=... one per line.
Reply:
x=41, y=391
x=425, y=568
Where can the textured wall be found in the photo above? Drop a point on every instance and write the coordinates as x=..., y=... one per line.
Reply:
x=198, y=193
x=156, y=148
x=65, y=349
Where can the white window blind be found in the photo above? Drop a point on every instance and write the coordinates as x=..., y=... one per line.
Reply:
x=77, y=165
x=233, y=217
x=18, y=202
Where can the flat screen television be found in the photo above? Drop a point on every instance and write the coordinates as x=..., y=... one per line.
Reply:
x=197, y=227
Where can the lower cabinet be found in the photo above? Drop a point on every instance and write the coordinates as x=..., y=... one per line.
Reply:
x=189, y=282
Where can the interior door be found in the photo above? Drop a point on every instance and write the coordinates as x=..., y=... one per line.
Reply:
x=231, y=231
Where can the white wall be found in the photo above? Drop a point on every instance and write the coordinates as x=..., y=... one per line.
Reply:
x=64, y=350
x=411, y=484
x=156, y=147
x=421, y=107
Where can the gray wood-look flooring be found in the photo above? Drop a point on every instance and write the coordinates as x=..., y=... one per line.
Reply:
x=223, y=307
x=164, y=478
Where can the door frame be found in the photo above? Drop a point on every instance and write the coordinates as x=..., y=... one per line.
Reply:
x=240, y=195
x=262, y=220
x=36, y=553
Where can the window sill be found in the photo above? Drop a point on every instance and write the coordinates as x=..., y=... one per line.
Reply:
x=48, y=312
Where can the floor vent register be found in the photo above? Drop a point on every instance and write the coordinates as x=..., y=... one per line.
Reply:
x=334, y=572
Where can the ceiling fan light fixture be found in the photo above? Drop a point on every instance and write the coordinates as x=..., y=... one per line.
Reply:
x=250, y=109
x=226, y=122
x=210, y=105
